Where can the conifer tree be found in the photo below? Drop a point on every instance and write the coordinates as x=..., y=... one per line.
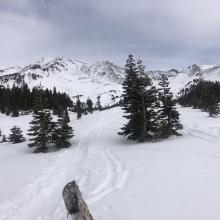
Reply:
x=202, y=94
x=212, y=105
x=168, y=114
x=63, y=132
x=98, y=103
x=67, y=115
x=16, y=135
x=148, y=104
x=41, y=127
x=138, y=102
x=41, y=131
x=78, y=108
x=4, y=139
x=129, y=105
x=15, y=113
x=89, y=104
x=16, y=99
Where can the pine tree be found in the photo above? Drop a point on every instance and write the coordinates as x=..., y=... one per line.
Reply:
x=128, y=105
x=78, y=108
x=4, y=139
x=212, y=105
x=16, y=135
x=15, y=113
x=204, y=95
x=67, y=115
x=138, y=102
x=148, y=104
x=98, y=103
x=168, y=114
x=63, y=132
x=41, y=127
x=89, y=104
x=41, y=131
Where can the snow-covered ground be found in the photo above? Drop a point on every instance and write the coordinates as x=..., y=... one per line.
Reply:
x=178, y=178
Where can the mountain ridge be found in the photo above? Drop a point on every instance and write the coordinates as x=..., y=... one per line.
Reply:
x=102, y=78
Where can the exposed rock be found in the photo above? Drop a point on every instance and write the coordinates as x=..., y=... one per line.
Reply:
x=75, y=204
x=35, y=66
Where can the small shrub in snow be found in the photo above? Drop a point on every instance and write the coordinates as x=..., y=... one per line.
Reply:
x=16, y=135
x=4, y=139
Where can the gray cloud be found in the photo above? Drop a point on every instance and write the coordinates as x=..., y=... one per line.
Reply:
x=164, y=33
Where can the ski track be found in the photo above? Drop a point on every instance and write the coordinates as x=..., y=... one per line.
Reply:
x=207, y=136
x=204, y=135
x=91, y=163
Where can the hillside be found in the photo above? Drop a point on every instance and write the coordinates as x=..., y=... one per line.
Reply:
x=70, y=76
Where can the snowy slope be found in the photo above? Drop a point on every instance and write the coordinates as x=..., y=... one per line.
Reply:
x=70, y=76
x=180, y=79
x=177, y=178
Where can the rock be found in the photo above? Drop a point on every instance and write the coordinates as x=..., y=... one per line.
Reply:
x=75, y=204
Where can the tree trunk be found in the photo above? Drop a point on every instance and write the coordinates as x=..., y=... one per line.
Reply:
x=74, y=202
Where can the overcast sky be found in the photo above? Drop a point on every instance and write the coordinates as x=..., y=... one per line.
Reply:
x=164, y=33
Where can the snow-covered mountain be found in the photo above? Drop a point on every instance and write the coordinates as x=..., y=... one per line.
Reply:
x=102, y=78
x=71, y=76
x=113, y=174
x=180, y=79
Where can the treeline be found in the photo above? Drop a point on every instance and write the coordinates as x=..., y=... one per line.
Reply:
x=83, y=108
x=15, y=99
x=204, y=95
x=150, y=112
x=46, y=132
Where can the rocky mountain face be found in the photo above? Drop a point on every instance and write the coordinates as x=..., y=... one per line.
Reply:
x=103, y=71
x=102, y=78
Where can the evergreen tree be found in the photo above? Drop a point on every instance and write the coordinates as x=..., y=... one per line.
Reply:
x=204, y=95
x=128, y=95
x=41, y=127
x=15, y=99
x=168, y=114
x=148, y=104
x=15, y=113
x=4, y=139
x=1, y=136
x=16, y=135
x=63, y=132
x=139, y=100
x=212, y=105
x=89, y=105
x=67, y=116
x=78, y=108
x=41, y=131
x=98, y=103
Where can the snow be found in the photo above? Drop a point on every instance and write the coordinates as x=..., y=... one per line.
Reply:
x=205, y=66
x=71, y=76
x=101, y=78
x=177, y=178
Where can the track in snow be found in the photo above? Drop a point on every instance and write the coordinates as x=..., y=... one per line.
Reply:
x=91, y=163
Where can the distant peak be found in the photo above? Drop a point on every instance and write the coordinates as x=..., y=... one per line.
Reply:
x=173, y=71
